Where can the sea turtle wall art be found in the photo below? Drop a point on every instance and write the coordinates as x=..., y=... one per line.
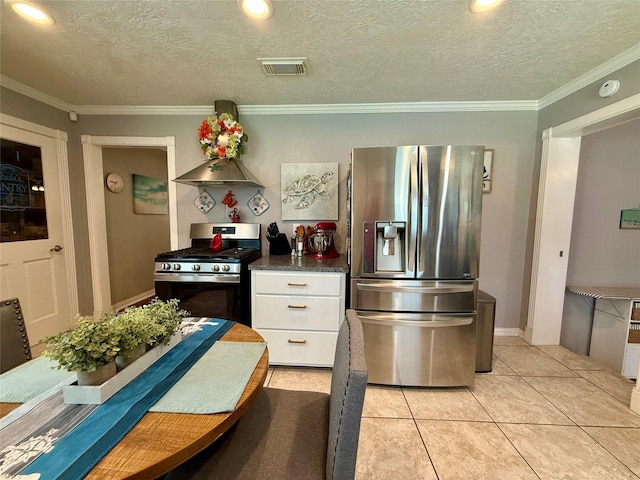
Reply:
x=309, y=191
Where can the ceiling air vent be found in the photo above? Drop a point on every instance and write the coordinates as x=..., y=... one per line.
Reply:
x=283, y=66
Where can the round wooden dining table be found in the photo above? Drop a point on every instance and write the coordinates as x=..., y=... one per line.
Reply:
x=162, y=441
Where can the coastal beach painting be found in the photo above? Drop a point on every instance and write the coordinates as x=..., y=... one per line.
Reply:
x=149, y=195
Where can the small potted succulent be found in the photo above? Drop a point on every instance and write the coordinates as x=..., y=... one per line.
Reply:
x=89, y=349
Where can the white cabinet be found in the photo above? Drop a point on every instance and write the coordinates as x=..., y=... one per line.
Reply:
x=298, y=313
x=612, y=341
x=632, y=347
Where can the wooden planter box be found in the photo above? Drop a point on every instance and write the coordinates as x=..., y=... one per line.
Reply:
x=100, y=393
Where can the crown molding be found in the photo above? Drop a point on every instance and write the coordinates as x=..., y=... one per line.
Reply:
x=35, y=94
x=400, y=107
x=330, y=109
x=144, y=110
x=311, y=109
x=617, y=62
x=622, y=60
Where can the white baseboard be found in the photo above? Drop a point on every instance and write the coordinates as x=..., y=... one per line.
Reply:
x=133, y=300
x=506, y=332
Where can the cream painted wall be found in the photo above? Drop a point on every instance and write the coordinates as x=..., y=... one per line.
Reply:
x=133, y=239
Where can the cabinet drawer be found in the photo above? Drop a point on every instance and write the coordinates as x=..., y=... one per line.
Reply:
x=297, y=283
x=297, y=312
x=288, y=347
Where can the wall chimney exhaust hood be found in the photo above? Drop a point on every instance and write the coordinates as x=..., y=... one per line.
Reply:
x=233, y=174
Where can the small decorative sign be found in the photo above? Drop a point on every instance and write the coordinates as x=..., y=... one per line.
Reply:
x=487, y=174
x=204, y=202
x=258, y=204
x=630, y=219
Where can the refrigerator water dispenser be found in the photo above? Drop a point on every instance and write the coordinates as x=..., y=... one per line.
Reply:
x=389, y=247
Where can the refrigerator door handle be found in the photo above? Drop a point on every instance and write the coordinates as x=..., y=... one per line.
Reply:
x=437, y=321
x=394, y=287
x=414, y=209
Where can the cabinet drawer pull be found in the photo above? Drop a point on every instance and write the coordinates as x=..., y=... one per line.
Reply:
x=297, y=341
x=297, y=284
x=297, y=306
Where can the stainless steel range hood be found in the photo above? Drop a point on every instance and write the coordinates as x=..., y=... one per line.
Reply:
x=234, y=173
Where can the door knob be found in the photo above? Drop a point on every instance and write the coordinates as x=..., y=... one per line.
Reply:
x=57, y=248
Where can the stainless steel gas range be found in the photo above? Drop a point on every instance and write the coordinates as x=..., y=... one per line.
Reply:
x=212, y=283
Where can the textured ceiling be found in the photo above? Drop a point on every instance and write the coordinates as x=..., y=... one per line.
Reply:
x=187, y=52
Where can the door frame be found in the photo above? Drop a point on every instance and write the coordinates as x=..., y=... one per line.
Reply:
x=62, y=160
x=96, y=211
x=554, y=216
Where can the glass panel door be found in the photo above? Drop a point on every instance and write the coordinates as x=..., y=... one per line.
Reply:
x=23, y=214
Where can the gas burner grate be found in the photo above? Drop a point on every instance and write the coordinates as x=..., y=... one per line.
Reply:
x=236, y=253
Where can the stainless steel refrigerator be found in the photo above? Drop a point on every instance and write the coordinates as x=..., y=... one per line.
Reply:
x=414, y=247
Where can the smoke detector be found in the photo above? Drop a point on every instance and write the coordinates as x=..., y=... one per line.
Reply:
x=284, y=66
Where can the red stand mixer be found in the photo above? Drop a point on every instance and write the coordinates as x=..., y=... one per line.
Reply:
x=321, y=241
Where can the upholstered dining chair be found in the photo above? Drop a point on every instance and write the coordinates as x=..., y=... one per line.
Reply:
x=295, y=434
x=14, y=343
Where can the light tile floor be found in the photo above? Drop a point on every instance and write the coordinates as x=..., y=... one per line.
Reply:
x=542, y=413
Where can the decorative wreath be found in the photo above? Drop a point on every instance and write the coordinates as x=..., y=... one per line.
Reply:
x=221, y=138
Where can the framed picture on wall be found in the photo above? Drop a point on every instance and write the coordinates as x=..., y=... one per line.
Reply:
x=150, y=195
x=309, y=191
x=630, y=219
x=487, y=174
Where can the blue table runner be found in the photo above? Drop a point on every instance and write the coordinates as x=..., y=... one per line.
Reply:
x=75, y=454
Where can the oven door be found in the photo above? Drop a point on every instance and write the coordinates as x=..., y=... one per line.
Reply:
x=217, y=296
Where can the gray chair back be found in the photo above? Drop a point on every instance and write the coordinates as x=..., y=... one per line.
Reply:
x=348, y=385
x=14, y=343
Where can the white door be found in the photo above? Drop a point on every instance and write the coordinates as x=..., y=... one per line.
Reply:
x=33, y=266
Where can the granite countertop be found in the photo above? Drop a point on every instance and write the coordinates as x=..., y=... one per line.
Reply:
x=305, y=263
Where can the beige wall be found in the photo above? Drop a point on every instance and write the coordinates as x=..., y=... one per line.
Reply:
x=508, y=211
x=608, y=181
x=133, y=239
x=277, y=139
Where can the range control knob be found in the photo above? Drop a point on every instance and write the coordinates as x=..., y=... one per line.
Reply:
x=166, y=266
x=195, y=267
x=215, y=268
x=226, y=268
x=176, y=266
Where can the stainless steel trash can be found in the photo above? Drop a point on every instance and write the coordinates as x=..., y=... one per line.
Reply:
x=484, y=332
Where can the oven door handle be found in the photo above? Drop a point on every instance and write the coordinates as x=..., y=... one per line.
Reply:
x=199, y=278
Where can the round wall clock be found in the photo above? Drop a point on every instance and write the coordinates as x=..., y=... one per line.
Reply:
x=115, y=182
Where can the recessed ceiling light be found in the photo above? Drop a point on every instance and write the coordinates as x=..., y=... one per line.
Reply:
x=481, y=6
x=30, y=12
x=258, y=9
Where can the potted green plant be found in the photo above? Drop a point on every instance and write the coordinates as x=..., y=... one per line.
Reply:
x=89, y=349
x=135, y=332
x=165, y=318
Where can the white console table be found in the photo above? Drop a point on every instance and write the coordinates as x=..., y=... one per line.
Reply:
x=612, y=322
